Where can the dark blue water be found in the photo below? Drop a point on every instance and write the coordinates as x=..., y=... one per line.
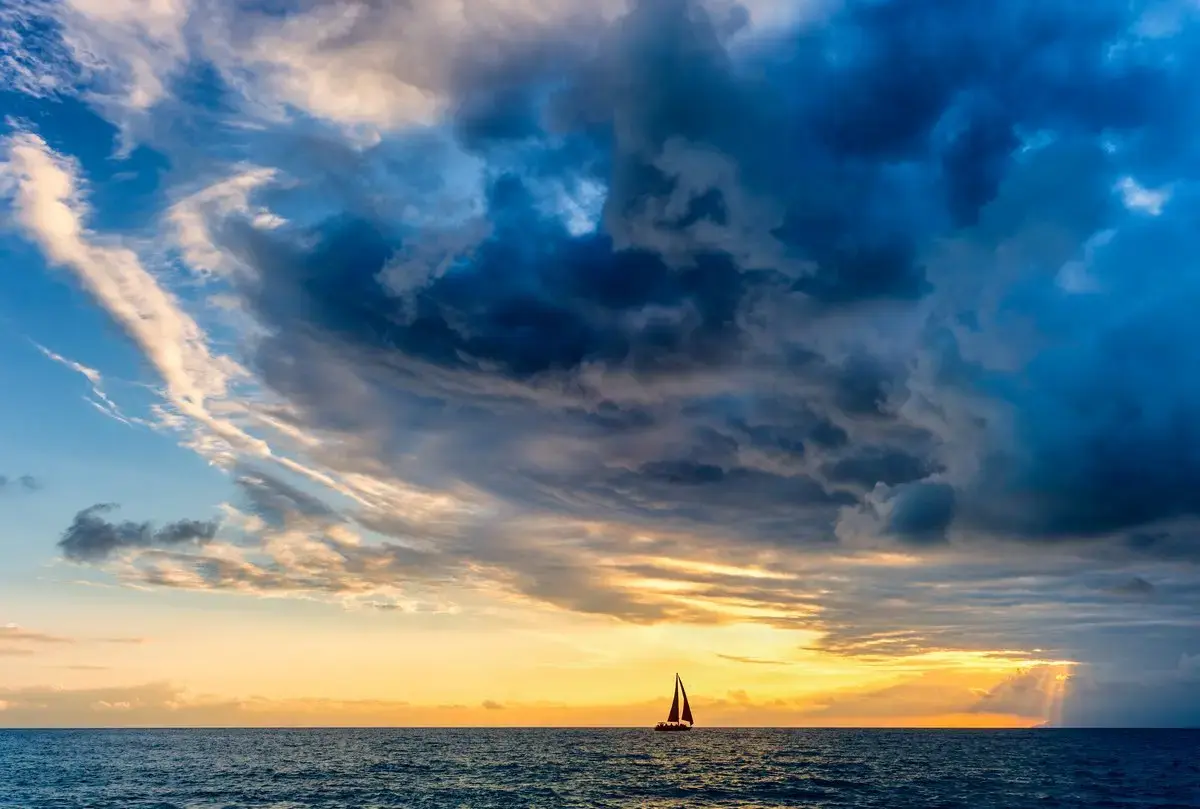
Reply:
x=290, y=769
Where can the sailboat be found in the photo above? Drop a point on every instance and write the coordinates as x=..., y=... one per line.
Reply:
x=674, y=718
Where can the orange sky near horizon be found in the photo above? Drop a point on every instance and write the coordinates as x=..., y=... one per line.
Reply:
x=220, y=660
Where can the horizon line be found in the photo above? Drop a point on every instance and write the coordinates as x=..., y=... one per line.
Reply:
x=75, y=728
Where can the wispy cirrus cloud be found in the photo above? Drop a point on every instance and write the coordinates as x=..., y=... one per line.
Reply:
x=11, y=633
x=99, y=398
x=33, y=58
x=756, y=661
x=17, y=641
x=49, y=206
x=121, y=55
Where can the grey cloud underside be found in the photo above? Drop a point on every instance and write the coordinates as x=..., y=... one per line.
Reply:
x=301, y=551
x=276, y=501
x=1064, y=606
x=91, y=537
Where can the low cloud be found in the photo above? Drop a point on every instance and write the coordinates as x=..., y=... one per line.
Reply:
x=16, y=641
x=85, y=667
x=14, y=632
x=757, y=661
x=25, y=483
x=1034, y=694
x=93, y=538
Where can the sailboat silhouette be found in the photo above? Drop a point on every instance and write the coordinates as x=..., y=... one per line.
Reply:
x=675, y=719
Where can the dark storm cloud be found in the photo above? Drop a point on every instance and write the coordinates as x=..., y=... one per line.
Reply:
x=92, y=538
x=695, y=357
x=921, y=512
x=1105, y=442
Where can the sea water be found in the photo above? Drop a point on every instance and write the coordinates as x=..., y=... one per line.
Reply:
x=290, y=769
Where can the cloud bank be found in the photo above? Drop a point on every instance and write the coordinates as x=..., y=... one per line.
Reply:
x=873, y=318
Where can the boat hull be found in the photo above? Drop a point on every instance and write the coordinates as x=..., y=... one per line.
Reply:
x=671, y=727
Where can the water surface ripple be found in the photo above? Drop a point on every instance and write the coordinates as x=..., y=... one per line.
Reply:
x=385, y=768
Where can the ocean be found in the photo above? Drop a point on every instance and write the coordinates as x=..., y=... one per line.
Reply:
x=377, y=768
